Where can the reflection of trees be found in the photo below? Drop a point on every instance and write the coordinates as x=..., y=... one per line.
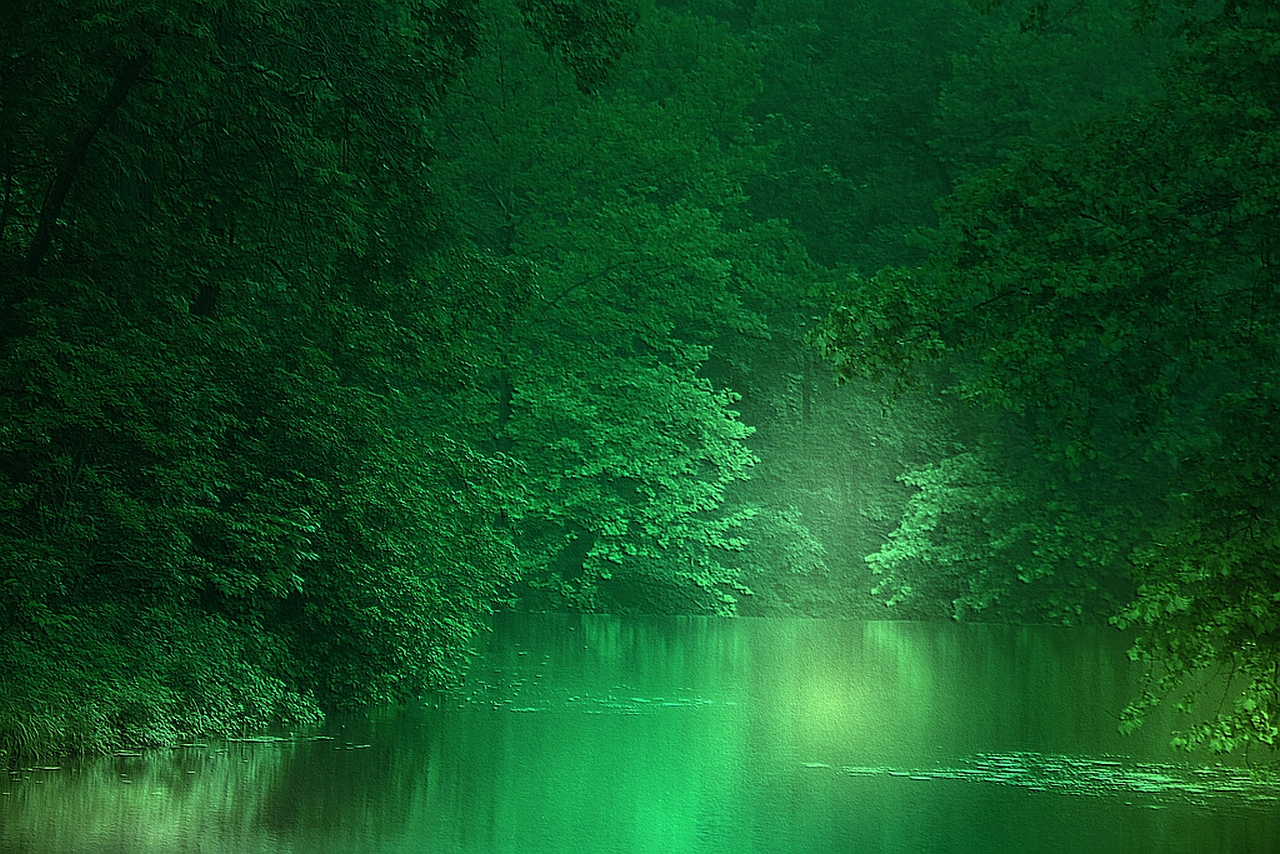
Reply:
x=367, y=779
x=157, y=802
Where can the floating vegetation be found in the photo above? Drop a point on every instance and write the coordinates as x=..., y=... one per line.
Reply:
x=1152, y=784
x=521, y=696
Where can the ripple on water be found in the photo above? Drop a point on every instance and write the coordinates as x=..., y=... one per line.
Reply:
x=524, y=698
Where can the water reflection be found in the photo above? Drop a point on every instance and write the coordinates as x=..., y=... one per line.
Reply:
x=593, y=734
x=154, y=803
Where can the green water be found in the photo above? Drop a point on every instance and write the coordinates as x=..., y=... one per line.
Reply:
x=596, y=734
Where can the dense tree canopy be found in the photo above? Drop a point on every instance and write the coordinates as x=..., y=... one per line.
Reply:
x=326, y=328
x=220, y=508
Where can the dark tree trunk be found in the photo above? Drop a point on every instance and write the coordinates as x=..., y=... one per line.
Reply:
x=74, y=159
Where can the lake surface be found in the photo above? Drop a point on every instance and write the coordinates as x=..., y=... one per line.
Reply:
x=596, y=734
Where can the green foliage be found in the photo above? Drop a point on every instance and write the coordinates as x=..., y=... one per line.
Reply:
x=632, y=495
x=624, y=208
x=76, y=684
x=590, y=36
x=850, y=89
x=252, y=495
x=222, y=317
x=879, y=109
x=318, y=324
x=1210, y=598
x=1037, y=73
x=1119, y=289
x=983, y=541
x=325, y=327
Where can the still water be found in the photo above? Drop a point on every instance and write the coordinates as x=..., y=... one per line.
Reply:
x=598, y=734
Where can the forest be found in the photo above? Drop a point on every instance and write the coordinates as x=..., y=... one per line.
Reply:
x=329, y=328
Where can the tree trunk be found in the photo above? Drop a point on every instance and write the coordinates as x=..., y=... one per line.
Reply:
x=74, y=159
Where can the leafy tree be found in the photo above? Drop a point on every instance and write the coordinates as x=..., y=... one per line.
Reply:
x=984, y=537
x=623, y=206
x=1120, y=290
x=225, y=300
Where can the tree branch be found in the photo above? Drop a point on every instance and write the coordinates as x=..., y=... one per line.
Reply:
x=75, y=158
